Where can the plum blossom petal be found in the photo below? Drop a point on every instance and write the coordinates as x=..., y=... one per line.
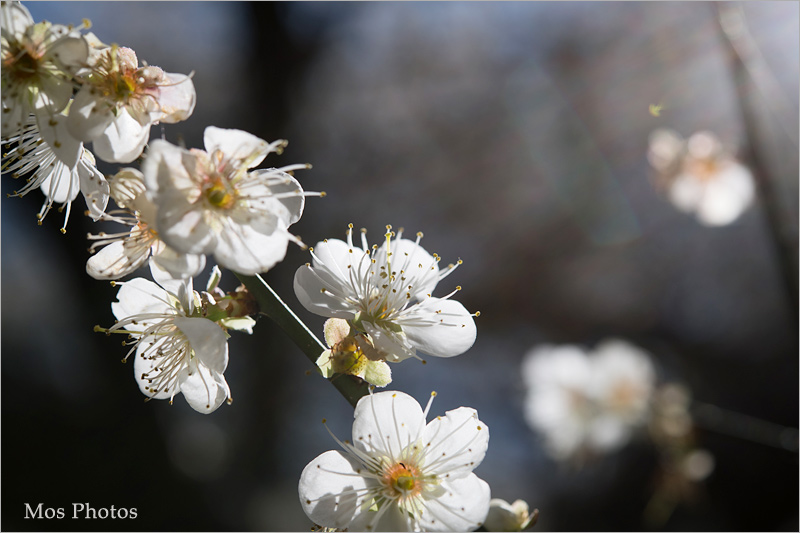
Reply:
x=452, y=335
x=139, y=296
x=236, y=145
x=310, y=291
x=204, y=389
x=458, y=446
x=88, y=117
x=460, y=508
x=177, y=98
x=123, y=139
x=208, y=342
x=15, y=18
x=114, y=261
x=333, y=491
x=387, y=435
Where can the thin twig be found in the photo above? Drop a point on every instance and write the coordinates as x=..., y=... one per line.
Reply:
x=731, y=423
x=271, y=305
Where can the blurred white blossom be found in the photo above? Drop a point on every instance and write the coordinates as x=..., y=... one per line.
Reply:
x=701, y=177
x=399, y=474
x=385, y=292
x=587, y=401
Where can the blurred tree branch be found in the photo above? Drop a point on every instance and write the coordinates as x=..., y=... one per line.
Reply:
x=750, y=69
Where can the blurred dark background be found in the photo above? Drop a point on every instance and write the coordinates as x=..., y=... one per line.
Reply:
x=514, y=135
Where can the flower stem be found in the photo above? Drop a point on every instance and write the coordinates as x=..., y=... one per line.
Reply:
x=271, y=305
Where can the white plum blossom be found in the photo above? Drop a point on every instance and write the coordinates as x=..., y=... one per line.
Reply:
x=587, y=402
x=119, y=101
x=176, y=349
x=57, y=164
x=125, y=252
x=209, y=202
x=399, y=473
x=39, y=62
x=385, y=292
x=700, y=177
x=504, y=516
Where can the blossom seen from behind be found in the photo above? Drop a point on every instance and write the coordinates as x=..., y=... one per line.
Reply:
x=399, y=473
x=345, y=355
x=385, y=292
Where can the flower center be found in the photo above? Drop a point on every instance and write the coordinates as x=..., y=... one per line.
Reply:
x=219, y=193
x=624, y=396
x=119, y=79
x=703, y=169
x=403, y=480
x=21, y=64
x=347, y=357
x=124, y=86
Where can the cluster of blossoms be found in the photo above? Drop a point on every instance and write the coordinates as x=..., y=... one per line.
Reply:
x=700, y=176
x=63, y=90
x=587, y=401
x=398, y=474
x=45, y=129
x=182, y=205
